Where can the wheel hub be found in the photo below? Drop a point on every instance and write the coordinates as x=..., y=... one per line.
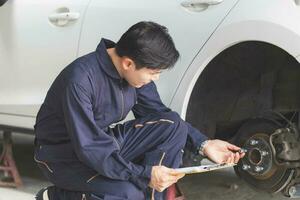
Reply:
x=258, y=167
x=258, y=161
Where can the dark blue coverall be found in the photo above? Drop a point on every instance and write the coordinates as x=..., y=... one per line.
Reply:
x=80, y=153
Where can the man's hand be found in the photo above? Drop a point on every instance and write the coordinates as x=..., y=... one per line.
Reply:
x=162, y=177
x=222, y=152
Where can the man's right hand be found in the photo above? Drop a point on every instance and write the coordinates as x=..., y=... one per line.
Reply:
x=162, y=177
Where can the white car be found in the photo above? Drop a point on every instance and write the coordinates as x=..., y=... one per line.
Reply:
x=238, y=77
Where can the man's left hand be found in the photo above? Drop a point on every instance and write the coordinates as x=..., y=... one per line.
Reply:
x=222, y=152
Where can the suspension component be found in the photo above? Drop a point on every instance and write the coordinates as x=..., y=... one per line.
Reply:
x=294, y=191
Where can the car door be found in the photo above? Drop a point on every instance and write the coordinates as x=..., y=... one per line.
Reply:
x=190, y=23
x=37, y=39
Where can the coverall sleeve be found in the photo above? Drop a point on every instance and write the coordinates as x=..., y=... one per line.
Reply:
x=148, y=101
x=92, y=145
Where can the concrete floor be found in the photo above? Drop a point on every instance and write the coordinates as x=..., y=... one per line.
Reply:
x=222, y=184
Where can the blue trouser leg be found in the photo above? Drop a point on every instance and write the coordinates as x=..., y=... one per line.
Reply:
x=142, y=141
x=151, y=137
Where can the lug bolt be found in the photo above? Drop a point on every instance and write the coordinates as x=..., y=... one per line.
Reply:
x=253, y=142
x=258, y=168
x=264, y=153
x=246, y=167
x=279, y=131
x=243, y=150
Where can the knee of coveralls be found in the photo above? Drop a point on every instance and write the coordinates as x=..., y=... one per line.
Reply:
x=179, y=129
x=182, y=137
x=170, y=151
x=163, y=130
x=171, y=115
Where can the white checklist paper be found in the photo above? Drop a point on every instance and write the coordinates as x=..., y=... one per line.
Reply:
x=203, y=168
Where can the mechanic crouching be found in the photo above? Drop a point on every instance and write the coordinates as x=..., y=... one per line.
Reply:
x=85, y=157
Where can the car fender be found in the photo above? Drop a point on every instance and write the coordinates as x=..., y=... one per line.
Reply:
x=225, y=37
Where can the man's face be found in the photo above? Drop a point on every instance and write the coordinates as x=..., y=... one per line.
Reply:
x=139, y=77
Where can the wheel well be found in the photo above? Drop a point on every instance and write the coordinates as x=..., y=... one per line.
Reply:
x=243, y=81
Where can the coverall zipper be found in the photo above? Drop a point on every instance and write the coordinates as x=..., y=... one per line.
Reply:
x=122, y=97
x=114, y=138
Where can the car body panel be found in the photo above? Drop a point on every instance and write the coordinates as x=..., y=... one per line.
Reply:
x=189, y=30
x=54, y=47
x=280, y=30
x=32, y=53
x=199, y=36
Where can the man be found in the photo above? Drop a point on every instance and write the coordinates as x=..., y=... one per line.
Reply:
x=85, y=157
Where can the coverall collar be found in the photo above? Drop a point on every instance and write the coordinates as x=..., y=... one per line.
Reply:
x=104, y=59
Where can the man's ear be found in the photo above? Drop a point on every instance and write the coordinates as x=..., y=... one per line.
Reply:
x=127, y=64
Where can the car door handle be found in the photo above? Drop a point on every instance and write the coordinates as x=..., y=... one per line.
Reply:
x=62, y=19
x=199, y=5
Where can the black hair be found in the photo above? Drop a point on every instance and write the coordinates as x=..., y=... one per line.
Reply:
x=149, y=45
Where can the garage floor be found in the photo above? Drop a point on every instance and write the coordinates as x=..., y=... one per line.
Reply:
x=222, y=184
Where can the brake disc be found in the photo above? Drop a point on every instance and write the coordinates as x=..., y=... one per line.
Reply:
x=258, y=167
